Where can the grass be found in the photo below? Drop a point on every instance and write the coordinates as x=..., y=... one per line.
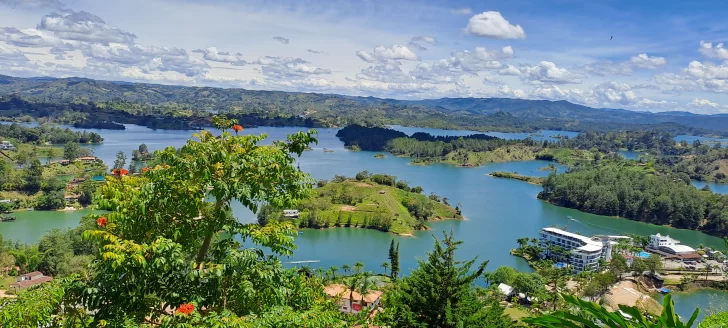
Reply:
x=516, y=176
x=367, y=204
x=6, y=281
x=516, y=313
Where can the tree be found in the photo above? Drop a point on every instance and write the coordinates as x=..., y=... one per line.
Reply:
x=346, y=268
x=71, y=151
x=51, y=201
x=653, y=263
x=33, y=177
x=267, y=213
x=358, y=266
x=394, y=259
x=120, y=160
x=638, y=266
x=334, y=269
x=618, y=265
x=87, y=190
x=27, y=257
x=522, y=242
x=440, y=293
x=169, y=239
x=385, y=266
x=708, y=270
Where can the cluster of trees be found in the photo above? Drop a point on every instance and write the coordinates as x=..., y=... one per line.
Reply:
x=47, y=134
x=154, y=255
x=612, y=189
x=706, y=164
x=653, y=141
x=141, y=154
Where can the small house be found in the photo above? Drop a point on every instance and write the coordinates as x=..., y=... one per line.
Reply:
x=506, y=290
x=87, y=159
x=31, y=279
x=98, y=178
x=353, y=302
x=290, y=213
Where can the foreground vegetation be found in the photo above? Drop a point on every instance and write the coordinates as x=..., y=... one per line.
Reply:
x=160, y=261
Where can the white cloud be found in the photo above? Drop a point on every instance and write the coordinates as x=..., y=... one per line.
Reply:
x=491, y=24
x=614, y=93
x=213, y=54
x=547, y=72
x=83, y=26
x=461, y=11
x=279, y=68
x=708, y=50
x=653, y=104
x=645, y=61
x=281, y=39
x=707, y=70
x=383, y=54
x=386, y=72
x=509, y=70
x=508, y=92
x=703, y=103
x=315, y=52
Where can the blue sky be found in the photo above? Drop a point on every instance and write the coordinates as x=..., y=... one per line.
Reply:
x=664, y=55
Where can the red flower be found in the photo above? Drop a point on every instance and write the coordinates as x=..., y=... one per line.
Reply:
x=186, y=309
x=102, y=221
x=120, y=172
x=237, y=128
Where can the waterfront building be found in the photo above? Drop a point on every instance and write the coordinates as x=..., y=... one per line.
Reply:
x=353, y=302
x=580, y=252
x=669, y=245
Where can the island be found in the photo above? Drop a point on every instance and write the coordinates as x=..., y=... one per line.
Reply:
x=372, y=201
x=516, y=176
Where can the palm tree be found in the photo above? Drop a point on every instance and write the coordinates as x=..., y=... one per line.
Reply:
x=334, y=269
x=358, y=266
x=352, y=284
x=365, y=285
x=346, y=268
x=522, y=242
x=320, y=272
x=386, y=266
x=708, y=269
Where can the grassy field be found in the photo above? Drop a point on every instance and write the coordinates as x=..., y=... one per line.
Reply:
x=367, y=204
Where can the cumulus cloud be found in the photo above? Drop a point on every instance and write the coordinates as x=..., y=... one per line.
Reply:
x=614, y=93
x=439, y=72
x=491, y=24
x=509, y=70
x=645, y=61
x=32, y=38
x=83, y=26
x=548, y=72
x=284, y=68
x=13, y=55
x=383, y=54
x=386, y=72
x=508, y=92
x=213, y=54
x=281, y=39
x=461, y=11
x=708, y=50
x=654, y=104
x=703, y=103
x=707, y=70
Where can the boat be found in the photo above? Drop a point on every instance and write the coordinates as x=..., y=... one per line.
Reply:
x=664, y=290
x=300, y=232
x=570, y=218
x=7, y=218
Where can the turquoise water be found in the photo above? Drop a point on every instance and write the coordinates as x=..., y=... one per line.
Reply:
x=498, y=210
x=708, y=301
x=718, y=188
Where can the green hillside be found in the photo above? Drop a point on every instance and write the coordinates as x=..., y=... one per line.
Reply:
x=367, y=204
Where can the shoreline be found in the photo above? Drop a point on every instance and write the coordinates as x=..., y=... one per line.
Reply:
x=401, y=234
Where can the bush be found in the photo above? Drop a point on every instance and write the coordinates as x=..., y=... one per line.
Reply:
x=339, y=178
x=51, y=201
x=363, y=175
x=322, y=183
x=715, y=321
x=401, y=184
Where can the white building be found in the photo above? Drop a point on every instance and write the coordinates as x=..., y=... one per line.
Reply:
x=583, y=252
x=290, y=213
x=669, y=245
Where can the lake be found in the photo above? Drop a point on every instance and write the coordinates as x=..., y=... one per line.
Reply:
x=498, y=210
x=709, y=302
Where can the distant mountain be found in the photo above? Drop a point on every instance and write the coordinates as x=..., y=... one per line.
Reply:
x=496, y=114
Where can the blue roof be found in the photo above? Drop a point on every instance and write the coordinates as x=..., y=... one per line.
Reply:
x=98, y=178
x=664, y=290
x=561, y=265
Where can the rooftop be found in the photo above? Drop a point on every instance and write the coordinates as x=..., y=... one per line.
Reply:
x=584, y=239
x=590, y=248
x=339, y=290
x=680, y=248
x=32, y=282
x=505, y=289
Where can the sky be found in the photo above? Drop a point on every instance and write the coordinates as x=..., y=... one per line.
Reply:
x=637, y=55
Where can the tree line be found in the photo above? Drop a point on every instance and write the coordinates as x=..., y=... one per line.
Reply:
x=615, y=190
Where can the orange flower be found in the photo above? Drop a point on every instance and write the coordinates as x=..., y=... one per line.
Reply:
x=186, y=309
x=102, y=221
x=237, y=128
x=120, y=172
x=145, y=170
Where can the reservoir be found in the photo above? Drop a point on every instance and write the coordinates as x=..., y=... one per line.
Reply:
x=498, y=210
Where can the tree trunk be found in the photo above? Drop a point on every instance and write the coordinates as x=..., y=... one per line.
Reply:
x=208, y=238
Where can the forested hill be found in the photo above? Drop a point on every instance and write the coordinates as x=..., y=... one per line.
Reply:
x=481, y=114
